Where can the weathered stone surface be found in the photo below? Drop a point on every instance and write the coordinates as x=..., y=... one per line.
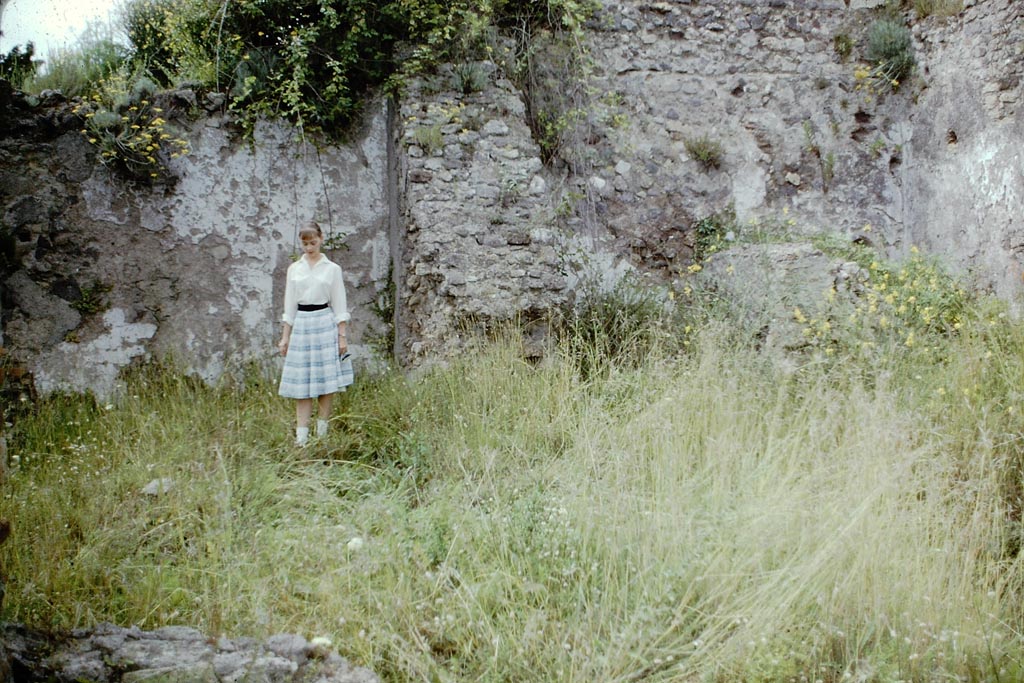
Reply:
x=962, y=169
x=470, y=229
x=171, y=655
x=768, y=281
x=195, y=270
x=469, y=233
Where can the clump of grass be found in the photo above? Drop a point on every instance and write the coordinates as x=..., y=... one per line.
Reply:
x=429, y=138
x=890, y=52
x=705, y=151
x=80, y=70
x=938, y=8
x=469, y=77
x=713, y=515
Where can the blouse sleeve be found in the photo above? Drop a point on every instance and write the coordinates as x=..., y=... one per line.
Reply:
x=339, y=304
x=291, y=300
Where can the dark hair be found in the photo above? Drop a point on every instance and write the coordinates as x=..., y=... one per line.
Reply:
x=311, y=228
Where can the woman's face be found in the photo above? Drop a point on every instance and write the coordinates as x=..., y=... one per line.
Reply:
x=311, y=244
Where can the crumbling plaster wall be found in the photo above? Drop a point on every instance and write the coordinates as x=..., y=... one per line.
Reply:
x=192, y=272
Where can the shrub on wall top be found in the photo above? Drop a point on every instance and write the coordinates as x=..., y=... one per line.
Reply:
x=890, y=50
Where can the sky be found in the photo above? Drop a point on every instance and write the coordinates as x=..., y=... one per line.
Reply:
x=50, y=24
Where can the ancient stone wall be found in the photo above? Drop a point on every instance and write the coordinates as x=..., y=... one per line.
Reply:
x=103, y=271
x=963, y=175
x=452, y=222
x=481, y=240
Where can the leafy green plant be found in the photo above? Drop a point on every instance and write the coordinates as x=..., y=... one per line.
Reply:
x=92, y=299
x=705, y=151
x=614, y=328
x=876, y=147
x=810, y=138
x=915, y=305
x=710, y=233
x=842, y=45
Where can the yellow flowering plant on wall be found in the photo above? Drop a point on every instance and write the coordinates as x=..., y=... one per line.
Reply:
x=913, y=304
x=130, y=131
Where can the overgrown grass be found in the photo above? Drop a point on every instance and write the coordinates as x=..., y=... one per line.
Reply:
x=81, y=70
x=716, y=515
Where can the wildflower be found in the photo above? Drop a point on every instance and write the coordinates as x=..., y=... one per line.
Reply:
x=695, y=268
x=798, y=315
x=914, y=249
x=355, y=544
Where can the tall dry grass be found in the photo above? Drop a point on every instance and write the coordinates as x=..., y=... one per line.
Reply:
x=715, y=515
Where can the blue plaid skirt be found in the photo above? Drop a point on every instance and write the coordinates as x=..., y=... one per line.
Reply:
x=312, y=367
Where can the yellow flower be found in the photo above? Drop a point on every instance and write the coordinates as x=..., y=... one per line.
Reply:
x=914, y=249
x=798, y=315
x=695, y=268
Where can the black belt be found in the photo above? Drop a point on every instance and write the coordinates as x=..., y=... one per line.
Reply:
x=312, y=307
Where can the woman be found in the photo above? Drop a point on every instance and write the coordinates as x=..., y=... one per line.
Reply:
x=313, y=342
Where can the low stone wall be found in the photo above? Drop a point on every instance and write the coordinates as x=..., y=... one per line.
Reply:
x=112, y=654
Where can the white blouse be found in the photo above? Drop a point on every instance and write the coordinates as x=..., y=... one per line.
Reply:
x=317, y=284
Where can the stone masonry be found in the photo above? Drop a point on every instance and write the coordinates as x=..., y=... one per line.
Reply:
x=448, y=220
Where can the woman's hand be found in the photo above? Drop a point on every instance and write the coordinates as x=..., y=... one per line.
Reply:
x=342, y=344
x=282, y=347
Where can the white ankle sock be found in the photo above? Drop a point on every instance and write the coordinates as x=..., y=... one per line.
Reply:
x=301, y=436
x=321, y=427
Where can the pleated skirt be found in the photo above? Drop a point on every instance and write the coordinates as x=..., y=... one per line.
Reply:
x=312, y=366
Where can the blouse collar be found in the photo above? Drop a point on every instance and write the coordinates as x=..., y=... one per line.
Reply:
x=323, y=259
